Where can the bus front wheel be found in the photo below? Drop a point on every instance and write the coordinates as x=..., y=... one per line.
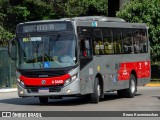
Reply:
x=95, y=96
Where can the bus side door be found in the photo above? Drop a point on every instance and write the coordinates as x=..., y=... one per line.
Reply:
x=86, y=63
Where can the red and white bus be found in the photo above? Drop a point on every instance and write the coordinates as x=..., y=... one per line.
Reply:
x=80, y=56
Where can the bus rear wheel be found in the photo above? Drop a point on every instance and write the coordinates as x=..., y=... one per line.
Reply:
x=131, y=91
x=43, y=100
x=95, y=96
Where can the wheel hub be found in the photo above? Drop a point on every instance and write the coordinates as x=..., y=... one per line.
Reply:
x=133, y=86
x=99, y=90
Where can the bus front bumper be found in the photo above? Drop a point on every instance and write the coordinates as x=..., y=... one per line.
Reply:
x=68, y=90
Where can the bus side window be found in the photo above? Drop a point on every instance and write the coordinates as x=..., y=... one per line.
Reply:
x=108, y=43
x=127, y=42
x=136, y=41
x=117, y=40
x=108, y=47
x=98, y=42
x=96, y=48
x=140, y=41
x=117, y=48
x=143, y=42
x=101, y=47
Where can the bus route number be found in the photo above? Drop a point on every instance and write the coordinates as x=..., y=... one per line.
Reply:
x=47, y=27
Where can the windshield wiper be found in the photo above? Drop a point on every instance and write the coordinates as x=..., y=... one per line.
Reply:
x=58, y=35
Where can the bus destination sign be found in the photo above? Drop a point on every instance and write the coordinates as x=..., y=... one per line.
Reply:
x=44, y=27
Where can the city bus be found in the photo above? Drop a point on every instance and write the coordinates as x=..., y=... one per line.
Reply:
x=81, y=56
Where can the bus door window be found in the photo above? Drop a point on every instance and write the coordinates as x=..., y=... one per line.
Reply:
x=85, y=47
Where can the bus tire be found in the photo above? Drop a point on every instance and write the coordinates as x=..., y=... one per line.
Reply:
x=95, y=96
x=131, y=91
x=43, y=100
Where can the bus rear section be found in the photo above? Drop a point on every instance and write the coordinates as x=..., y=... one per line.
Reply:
x=118, y=56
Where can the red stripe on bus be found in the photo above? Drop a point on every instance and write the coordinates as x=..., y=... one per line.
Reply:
x=142, y=69
x=49, y=81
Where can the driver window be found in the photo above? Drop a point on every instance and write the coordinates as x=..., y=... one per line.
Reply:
x=85, y=47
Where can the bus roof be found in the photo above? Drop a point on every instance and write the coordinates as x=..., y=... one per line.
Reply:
x=85, y=18
x=97, y=18
x=101, y=20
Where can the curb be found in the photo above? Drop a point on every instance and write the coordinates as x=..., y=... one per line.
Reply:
x=5, y=90
x=153, y=84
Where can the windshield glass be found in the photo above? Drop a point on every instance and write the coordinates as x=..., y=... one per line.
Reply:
x=42, y=52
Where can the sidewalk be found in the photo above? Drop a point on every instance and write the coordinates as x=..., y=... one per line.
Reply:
x=5, y=90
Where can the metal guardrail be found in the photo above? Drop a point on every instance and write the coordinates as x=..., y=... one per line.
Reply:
x=7, y=69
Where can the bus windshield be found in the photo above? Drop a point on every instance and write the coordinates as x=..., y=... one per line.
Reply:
x=42, y=52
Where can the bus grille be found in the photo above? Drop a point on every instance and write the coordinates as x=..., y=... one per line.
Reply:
x=32, y=89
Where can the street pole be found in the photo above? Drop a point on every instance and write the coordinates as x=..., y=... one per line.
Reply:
x=114, y=6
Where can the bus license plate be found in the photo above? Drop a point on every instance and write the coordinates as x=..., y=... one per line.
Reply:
x=43, y=90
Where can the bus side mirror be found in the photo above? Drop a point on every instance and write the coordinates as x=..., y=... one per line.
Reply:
x=12, y=49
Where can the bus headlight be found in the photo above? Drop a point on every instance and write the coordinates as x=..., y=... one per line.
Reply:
x=18, y=80
x=74, y=77
x=70, y=80
x=21, y=83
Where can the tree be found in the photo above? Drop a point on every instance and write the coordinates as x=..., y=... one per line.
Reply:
x=145, y=11
x=13, y=12
x=86, y=7
x=4, y=36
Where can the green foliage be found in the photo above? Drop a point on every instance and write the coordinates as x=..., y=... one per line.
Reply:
x=145, y=11
x=74, y=8
x=3, y=5
x=38, y=9
x=86, y=7
x=4, y=36
x=13, y=12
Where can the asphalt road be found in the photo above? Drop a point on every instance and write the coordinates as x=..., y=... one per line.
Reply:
x=146, y=99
